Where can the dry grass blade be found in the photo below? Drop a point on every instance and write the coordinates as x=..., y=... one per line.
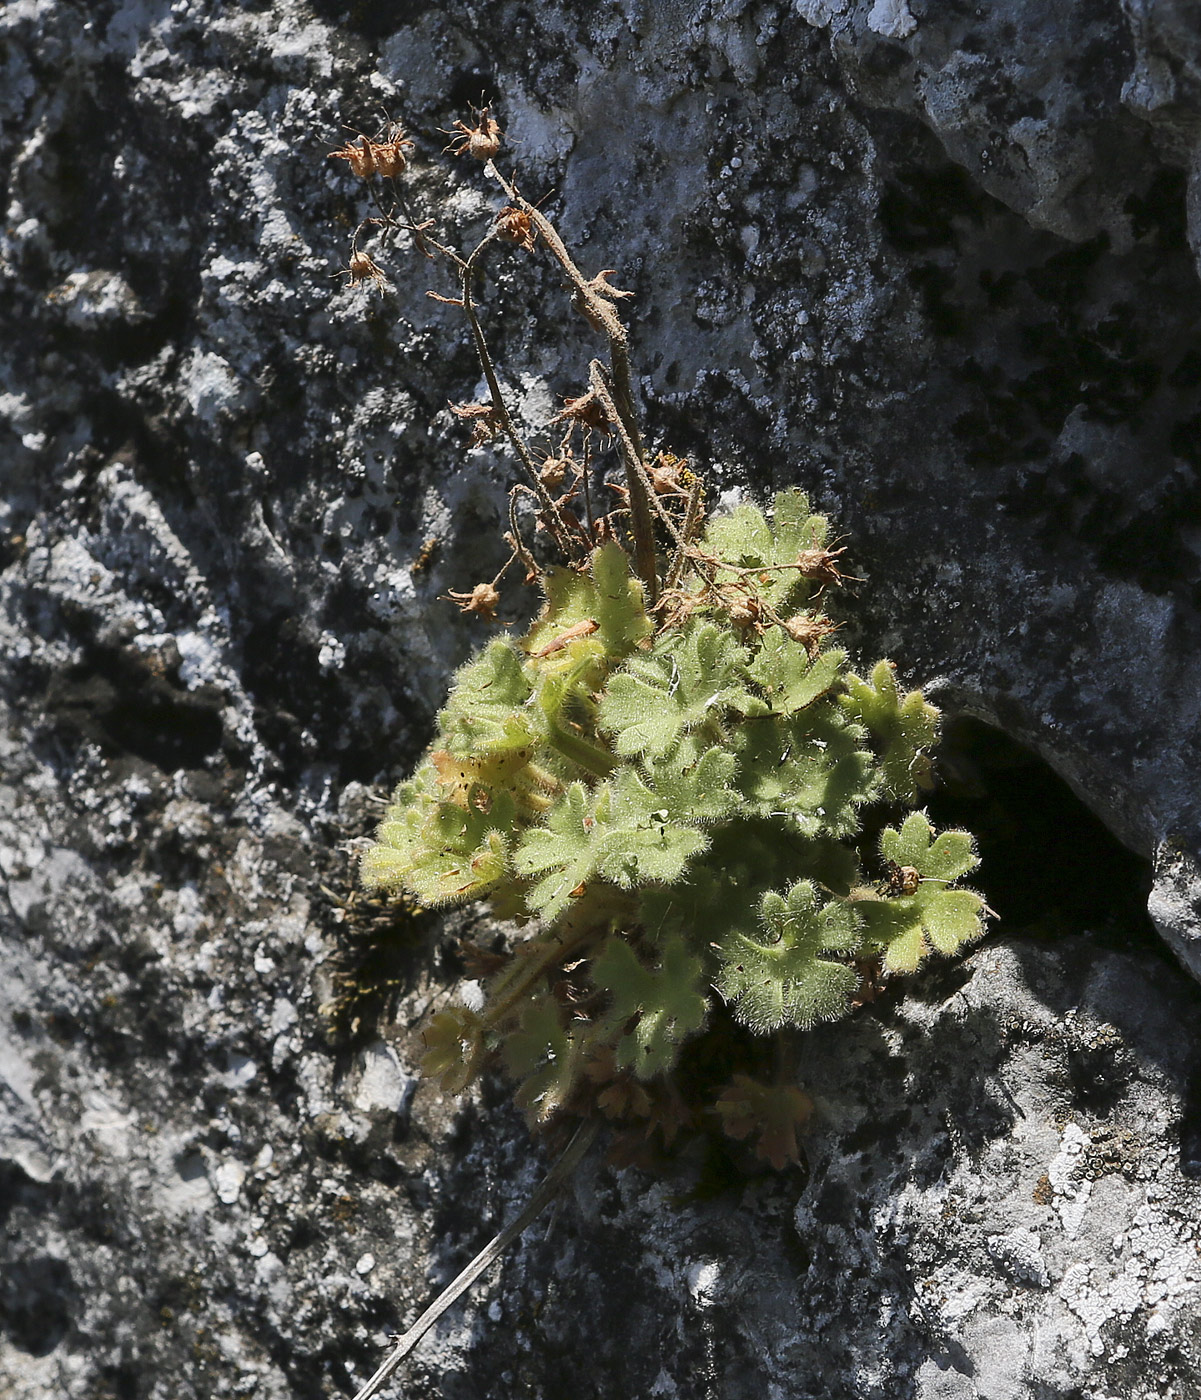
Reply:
x=487, y=1256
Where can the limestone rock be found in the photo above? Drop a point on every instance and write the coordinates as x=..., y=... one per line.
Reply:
x=937, y=265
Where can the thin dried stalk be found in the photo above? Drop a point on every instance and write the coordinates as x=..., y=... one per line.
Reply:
x=487, y=1256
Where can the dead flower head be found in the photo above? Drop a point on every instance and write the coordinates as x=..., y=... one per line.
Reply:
x=669, y=474
x=587, y=411
x=820, y=565
x=481, y=141
x=516, y=226
x=367, y=158
x=810, y=629
x=485, y=425
x=482, y=600
x=555, y=469
x=362, y=269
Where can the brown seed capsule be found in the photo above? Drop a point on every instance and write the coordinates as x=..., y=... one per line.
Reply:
x=367, y=158
x=516, y=226
x=362, y=269
x=820, y=565
x=481, y=141
x=587, y=410
x=361, y=158
x=390, y=158
x=485, y=425
x=482, y=600
x=809, y=629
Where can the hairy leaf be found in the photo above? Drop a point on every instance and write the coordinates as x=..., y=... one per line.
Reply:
x=781, y=978
x=485, y=712
x=440, y=851
x=691, y=676
x=789, y=679
x=903, y=727
x=669, y=1003
x=615, y=834
x=620, y=610
x=744, y=537
x=544, y=1057
x=811, y=771
x=933, y=918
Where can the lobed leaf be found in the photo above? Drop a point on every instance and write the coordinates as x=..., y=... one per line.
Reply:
x=485, y=711
x=906, y=928
x=771, y=1112
x=902, y=726
x=669, y=1002
x=790, y=680
x=781, y=978
x=811, y=772
x=544, y=1057
x=616, y=833
x=454, y=1048
x=692, y=675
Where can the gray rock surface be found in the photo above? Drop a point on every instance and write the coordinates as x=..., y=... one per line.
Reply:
x=937, y=264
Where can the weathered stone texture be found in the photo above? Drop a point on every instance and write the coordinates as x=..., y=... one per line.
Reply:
x=936, y=263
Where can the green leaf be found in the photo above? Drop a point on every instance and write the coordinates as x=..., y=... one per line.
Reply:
x=741, y=536
x=789, y=679
x=669, y=1002
x=811, y=771
x=620, y=609
x=781, y=978
x=744, y=538
x=544, y=1057
x=903, y=727
x=906, y=928
x=485, y=709
x=691, y=676
x=454, y=1048
x=563, y=853
x=692, y=785
x=608, y=597
x=438, y=850
x=616, y=834
x=642, y=844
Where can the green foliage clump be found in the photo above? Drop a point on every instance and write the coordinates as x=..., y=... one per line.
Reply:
x=674, y=784
x=671, y=805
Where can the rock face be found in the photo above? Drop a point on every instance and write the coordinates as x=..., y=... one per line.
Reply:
x=939, y=265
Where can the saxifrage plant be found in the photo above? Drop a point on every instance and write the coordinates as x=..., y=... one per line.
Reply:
x=667, y=785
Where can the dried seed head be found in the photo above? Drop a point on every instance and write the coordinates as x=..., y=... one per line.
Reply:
x=485, y=424
x=587, y=410
x=482, y=600
x=901, y=880
x=362, y=269
x=481, y=141
x=390, y=159
x=361, y=157
x=810, y=629
x=820, y=565
x=516, y=226
x=367, y=158
x=553, y=471
x=744, y=610
x=667, y=473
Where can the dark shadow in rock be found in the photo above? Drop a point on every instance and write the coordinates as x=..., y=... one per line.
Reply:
x=37, y=1301
x=1049, y=867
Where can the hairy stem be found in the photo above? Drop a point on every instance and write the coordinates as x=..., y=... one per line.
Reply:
x=498, y=403
x=600, y=311
x=586, y=755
